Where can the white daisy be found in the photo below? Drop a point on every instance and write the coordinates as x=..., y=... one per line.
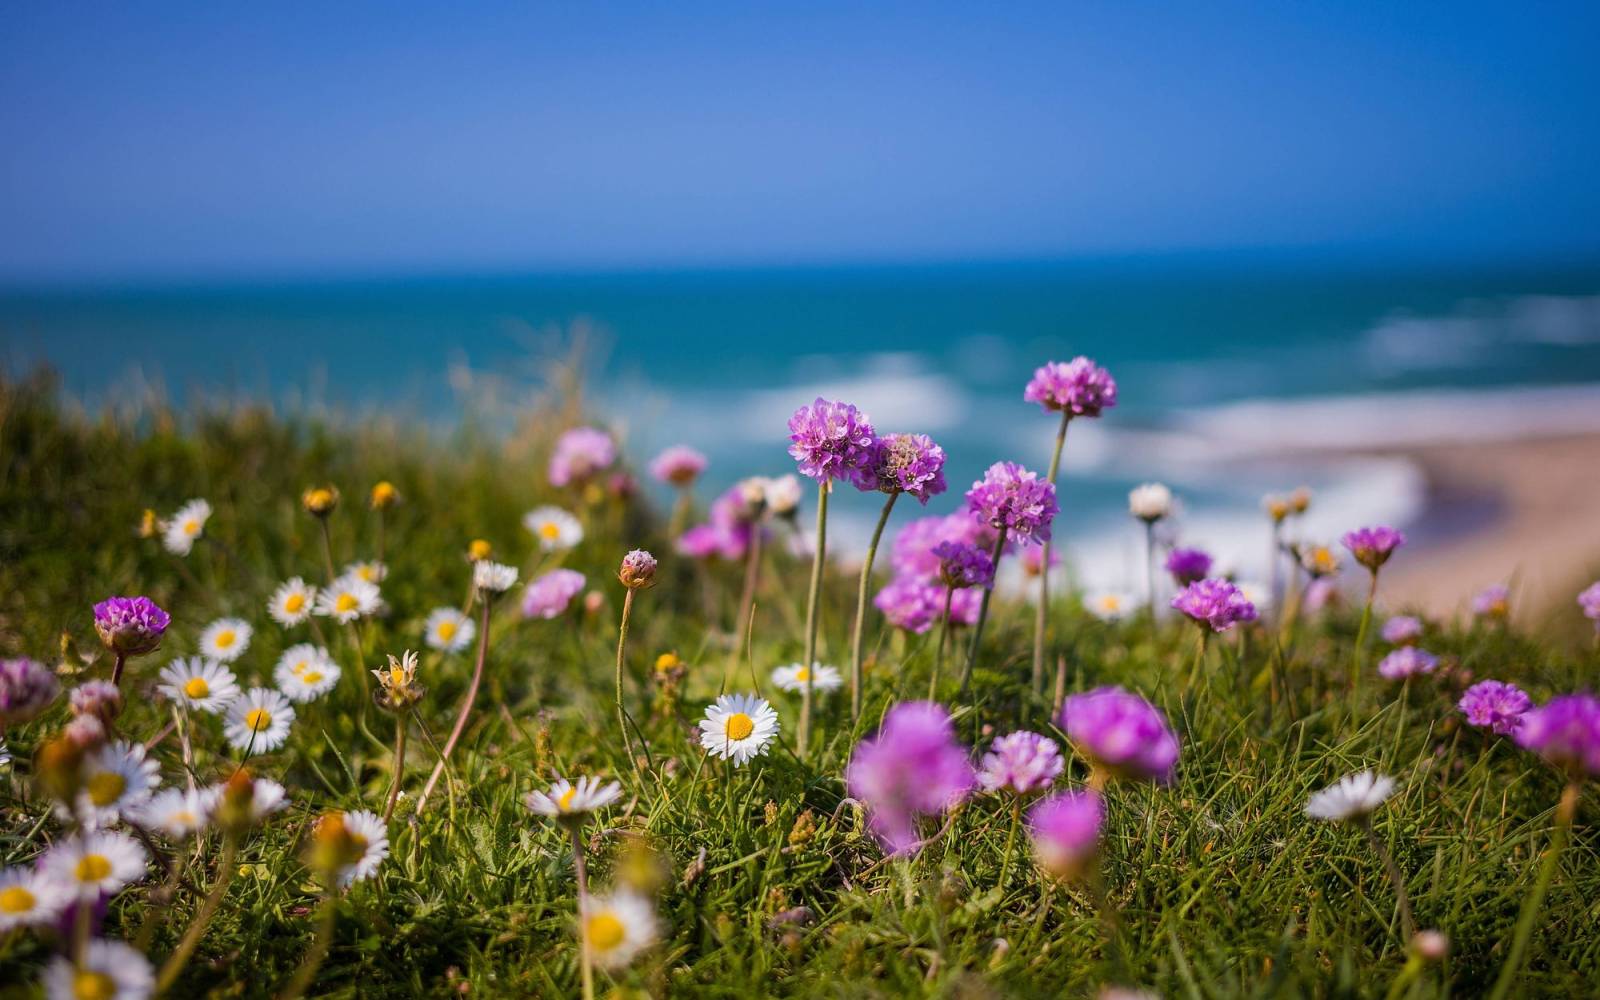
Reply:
x=617, y=927
x=347, y=599
x=493, y=577
x=373, y=572
x=177, y=812
x=293, y=602
x=116, y=777
x=372, y=836
x=738, y=727
x=29, y=896
x=1354, y=796
x=555, y=528
x=111, y=970
x=568, y=800
x=199, y=683
x=225, y=639
x=266, y=797
x=299, y=658
x=185, y=526
x=311, y=682
x=102, y=861
x=449, y=630
x=793, y=678
x=258, y=720
x=1109, y=605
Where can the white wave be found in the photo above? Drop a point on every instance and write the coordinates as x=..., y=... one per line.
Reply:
x=1476, y=330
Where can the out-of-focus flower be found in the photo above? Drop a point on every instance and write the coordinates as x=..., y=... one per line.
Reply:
x=1300, y=499
x=225, y=639
x=27, y=687
x=1495, y=705
x=130, y=625
x=370, y=836
x=738, y=727
x=1407, y=661
x=310, y=681
x=1566, y=732
x=1022, y=763
x=555, y=529
x=96, y=863
x=678, y=465
x=783, y=495
x=910, y=604
x=96, y=699
x=1277, y=507
x=1352, y=797
x=478, y=550
x=293, y=602
x=1121, y=733
x=1032, y=558
x=1402, y=630
x=638, y=570
x=549, y=595
x=347, y=599
x=383, y=495
x=492, y=577
x=962, y=564
x=1589, y=601
x=177, y=812
x=832, y=441
x=912, y=767
x=1188, y=565
x=449, y=630
x=370, y=571
x=1214, y=604
x=188, y=524
x=618, y=927
x=1150, y=502
x=1373, y=546
x=320, y=501
x=1318, y=560
x=905, y=463
x=579, y=454
x=1493, y=602
x=794, y=676
x=1079, y=387
x=1065, y=829
x=1015, y=500
x=30, y=897
x=117, y=778
x=109, y=970
x=1109, y=605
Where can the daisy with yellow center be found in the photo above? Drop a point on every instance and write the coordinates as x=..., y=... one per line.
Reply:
x=448, y=630
x=225, y=639
x=372, y=572
x=555, y=529
x=30, y=897
x=109, y=970
x=256, y=799
x=200, y=684
x=116, y=778
x=793, y=678
x=347, y=598
x=1319, y=560
x=617, y=927
x=258, y=721
x=177, y=812
x=738, y=727
x=305, y=673
x=292, y=602
x=94, y=863
x=1109, y=605
x=189, y=523
x=370, y=836
x=570, y=802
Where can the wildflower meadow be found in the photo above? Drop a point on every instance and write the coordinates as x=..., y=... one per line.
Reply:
x=295, y=705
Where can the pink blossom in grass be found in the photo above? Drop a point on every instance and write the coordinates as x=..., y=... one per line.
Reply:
x=1495, y=705
x=1122, y=733
x=912, y=768
x=1022, y=763
x=1065, y=829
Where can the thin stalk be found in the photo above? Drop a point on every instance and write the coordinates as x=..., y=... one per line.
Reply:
x=1565, y=811
x=1150, y=568
x=466, y=706
x=983, y=614
x=401, y=725
x=861, y=609
x=747, y=600
x=116, y=670
x=1041, y=614
x=680, y=511
x=944, y=639
x=622, y=646
x=1011, y=840
x=197, y=928
x=327, y=549
x=318, y=950
x=579, y=869
x=1408, y=926
x=1361, y=640
x=1275, y=565
x=383, y=531
x=1061, y=684
x=804, y=737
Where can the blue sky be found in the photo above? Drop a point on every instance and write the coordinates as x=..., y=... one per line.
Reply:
x=204, y=140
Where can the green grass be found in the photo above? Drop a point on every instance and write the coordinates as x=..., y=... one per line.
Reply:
x=1224, y=888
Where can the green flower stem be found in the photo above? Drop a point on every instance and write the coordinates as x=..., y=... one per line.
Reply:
x=983, y=615
x=466, y=706
x=861, y=609
x=1042, y=612
x=817, y=559
x=944, y=640
x=1565, y=811
x=208, y=909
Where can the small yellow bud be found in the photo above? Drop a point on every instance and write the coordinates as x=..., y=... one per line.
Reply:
x=148, y=525
x=479, y=550
x=319, y=501
x=384, y=495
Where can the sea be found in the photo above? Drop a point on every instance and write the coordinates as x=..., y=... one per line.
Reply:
x=1237, y=375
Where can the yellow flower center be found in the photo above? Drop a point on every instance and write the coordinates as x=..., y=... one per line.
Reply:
x=1110, y=604
x=564, y=803
x=299, y=667
x=294, y=603
x=447, y=630
x=367, y=573
x=93, y=868
x=196, y=687
x=191, y=527
x=550, y=530
x=802, y=675
x=397, y=677
x=345, y=603
x=105, y=788
x=90, y=985
x=258, y=719
x=312, y=676
x=478, y=550
x=605, y=931
x=739, y=726
x=182, y=817
x=225, y=638
x=16, y=899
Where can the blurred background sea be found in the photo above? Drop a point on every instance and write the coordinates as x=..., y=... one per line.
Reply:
x=1239, y=374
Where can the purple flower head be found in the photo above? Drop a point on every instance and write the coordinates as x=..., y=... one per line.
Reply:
x=1079, y=387
x=962, y=564
x=832, y=441
x=1495, y=705
x=579, y=454
x=1407, y=661
x=913, y=767
x=27, y=687
x=703, y=541
x=1022, y=763
x=1493, y=602
x=638, y=570
x=1012, y=499
x=1066, y=831
x=913, y=554
x=1373, y=546
x=905, y=463
x=1218, y=604
x=964, y=606
x=130, y=625
x=1589, y=601
x=548, y=596
x=911, y=604
x=101, y=699
x=1188, y=565
x=678, y=465
x=1402, y=630
x=1122, y=733
x=1566, y=732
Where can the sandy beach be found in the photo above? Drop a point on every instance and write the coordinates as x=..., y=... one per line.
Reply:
x=1524, y=512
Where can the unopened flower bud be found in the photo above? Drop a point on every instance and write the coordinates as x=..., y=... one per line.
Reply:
x=638, y=569
x=85, y=731
x=384, y=495
x=319, y=501
x=1300, y=499
x=478, y=550
x=148, y=524
x=99, y=699
x=1430, y=945
x=1150, y=502
x=130, y=626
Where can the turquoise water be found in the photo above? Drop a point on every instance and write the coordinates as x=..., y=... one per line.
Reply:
x=718, y=358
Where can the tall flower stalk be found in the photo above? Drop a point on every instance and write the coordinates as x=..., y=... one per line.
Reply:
x=638, y=572
x=1077, y=388
x=803, y=737
x=1371, y=547
x=1149, y=503
x=1019, y=506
